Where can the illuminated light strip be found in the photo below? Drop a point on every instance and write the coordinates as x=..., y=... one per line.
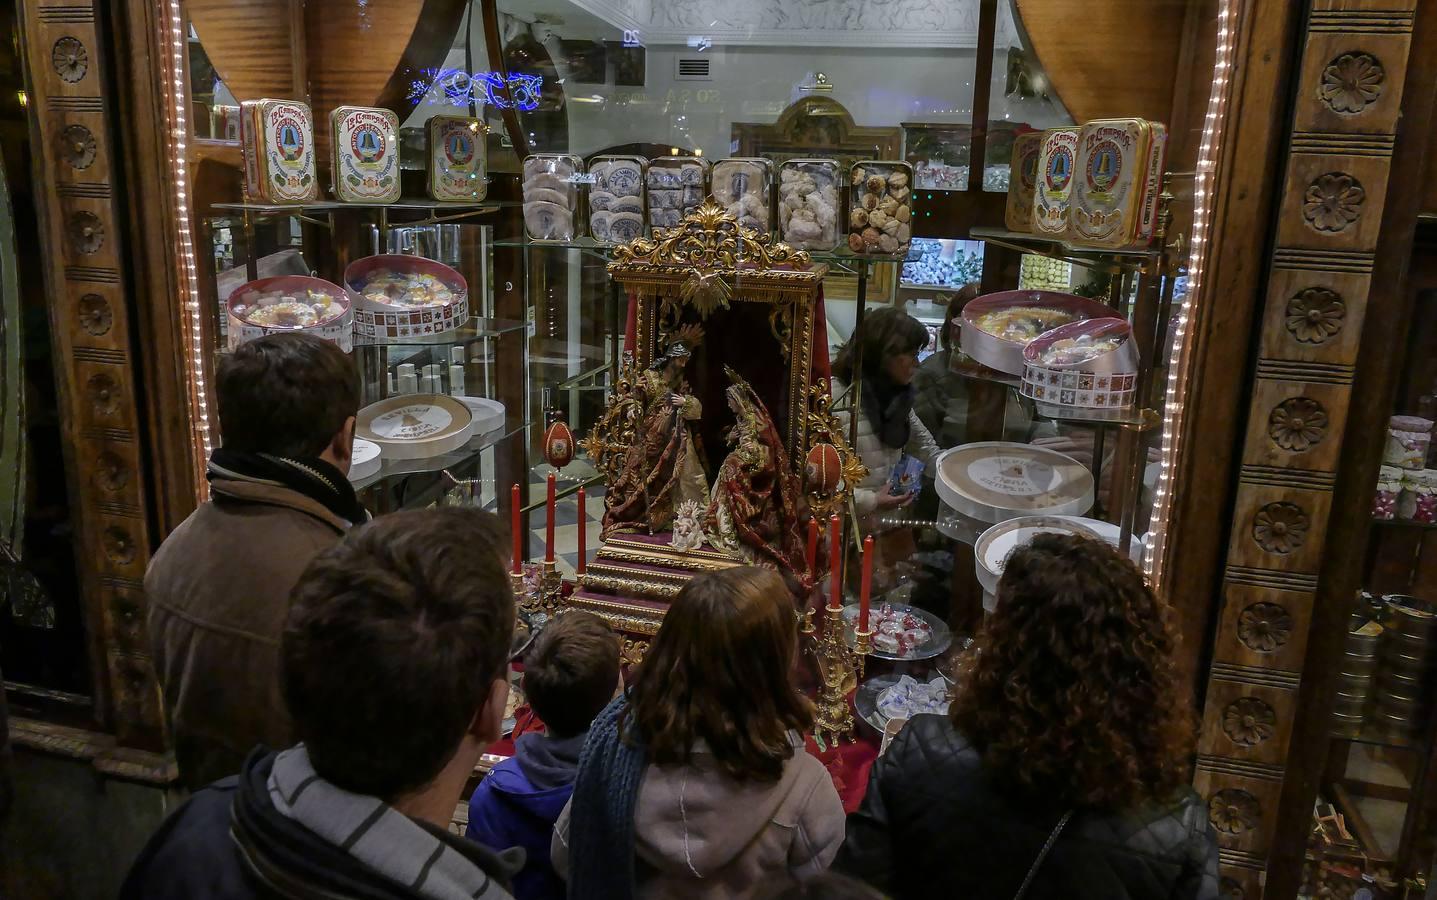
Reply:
x=1203, y=191
x=173, y=38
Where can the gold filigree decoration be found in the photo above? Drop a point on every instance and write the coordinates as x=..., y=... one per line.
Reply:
x=780, y=322
x=707, y=240
x=633, y=652
x=823, y=427
x=609, y=439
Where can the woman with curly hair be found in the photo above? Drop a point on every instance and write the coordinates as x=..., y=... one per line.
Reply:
x=697, y=783
x=1061, y=769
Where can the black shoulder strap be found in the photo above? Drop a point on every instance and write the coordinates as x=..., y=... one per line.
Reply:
x=1042, y=855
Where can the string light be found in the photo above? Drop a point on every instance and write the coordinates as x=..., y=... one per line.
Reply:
x=1178, y=374
x=191, y=335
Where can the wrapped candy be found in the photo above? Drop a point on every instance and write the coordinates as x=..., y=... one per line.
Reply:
x=1389, y=486
x=1408, y=439
x=1420, y=497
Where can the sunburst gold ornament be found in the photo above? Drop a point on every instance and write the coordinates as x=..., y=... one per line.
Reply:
x=706, y=291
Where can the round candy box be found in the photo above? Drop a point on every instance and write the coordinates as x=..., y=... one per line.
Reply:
x=290, y=303
x=397, y=297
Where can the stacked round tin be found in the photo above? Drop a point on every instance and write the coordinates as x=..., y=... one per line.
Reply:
x=1403, y=691
x=1356, y=673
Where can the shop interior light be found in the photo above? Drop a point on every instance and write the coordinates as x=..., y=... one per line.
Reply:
x=1203, y=192
x=176, y=48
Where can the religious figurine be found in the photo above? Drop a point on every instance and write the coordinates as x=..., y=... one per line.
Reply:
x=661, y=469
x=688, y=527
x=754, y=508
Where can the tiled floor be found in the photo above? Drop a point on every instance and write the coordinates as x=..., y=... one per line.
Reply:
x=566, y=515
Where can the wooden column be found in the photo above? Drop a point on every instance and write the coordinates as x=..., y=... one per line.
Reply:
x=1333, y=192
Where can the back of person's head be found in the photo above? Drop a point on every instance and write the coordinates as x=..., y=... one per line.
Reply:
x=285, y=394
x=823, y=886
x=883, y=333
x=571, y=672
x=720, y=670
x=1071, y=693
x=395, y=638
x=966, y=294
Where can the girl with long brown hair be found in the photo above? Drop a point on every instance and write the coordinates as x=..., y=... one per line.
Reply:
x=697, y=784
x=1068, y=731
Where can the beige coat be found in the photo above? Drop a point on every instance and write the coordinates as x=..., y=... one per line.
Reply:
x=218, y=591
x=699, y=834
x=879, y=457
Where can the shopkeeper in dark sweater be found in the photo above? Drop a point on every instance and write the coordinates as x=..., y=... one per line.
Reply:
x=570, y=675
x=393, y=664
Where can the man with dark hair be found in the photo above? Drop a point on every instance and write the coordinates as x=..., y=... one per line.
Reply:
x=218, y=587
x=570, y=675
x=394, y=661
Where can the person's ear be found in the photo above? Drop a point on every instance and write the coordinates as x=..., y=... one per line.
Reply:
x=341, y=446
x=488, y=724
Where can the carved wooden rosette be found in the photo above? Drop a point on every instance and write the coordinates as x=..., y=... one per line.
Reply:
x=84, y=233
x=1334, y=190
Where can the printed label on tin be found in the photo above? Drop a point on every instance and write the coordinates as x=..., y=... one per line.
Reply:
x=366, y=151
x=456, y=159
x=1023, y=181
x=288, y=152
x=411, y=422
x=1055, y=181
x=1105, y=200
x=1012, y=475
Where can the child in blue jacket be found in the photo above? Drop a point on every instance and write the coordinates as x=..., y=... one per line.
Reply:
x=570, y=674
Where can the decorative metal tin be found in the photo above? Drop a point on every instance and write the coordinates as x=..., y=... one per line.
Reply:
x=364, y=160
x=416, y=426
x=457, y=160
x=279, y=151
x=1119, y=176
x=1053, y=191
x=880, y=208
x=677, y=187
x=743, y=186
x=617, y=213
x=551, y=196
x=995, y=481
x=1106, y=381
x=809, y=207
x=1002, y=349
x=379, y=320
x=1023, y=180
x=290, y=303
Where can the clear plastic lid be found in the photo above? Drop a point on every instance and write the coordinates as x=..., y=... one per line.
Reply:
x=880, y=207
x=809, y=203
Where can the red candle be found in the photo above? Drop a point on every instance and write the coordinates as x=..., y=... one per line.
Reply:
x=517, y=528
x=867, y=583
x=580, y=566
x=549, y=525
x=812, y=556
x=835, y=562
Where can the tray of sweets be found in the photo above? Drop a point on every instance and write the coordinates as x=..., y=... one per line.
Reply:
x=285, y=303
x=1090, y=364
x=397, y=296
x=996, y=328
x=901, y=632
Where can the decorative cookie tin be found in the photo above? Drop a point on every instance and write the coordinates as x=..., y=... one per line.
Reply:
x=1118, y=178
x=994, y=481
x=997, y=327
x=364, y=154
x=287, y=303
x=616, y=198
x=551, y=196
x=1023, y=180
x=457, y=161
x=279, y=151
x=1053, y=190
x=397, y=297
x=415, y=426
x=1091, y=364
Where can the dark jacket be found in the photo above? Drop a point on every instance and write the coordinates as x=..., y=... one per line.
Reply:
x=517, y=803
x=228, y=842
x=932, y=816
x=218, y=592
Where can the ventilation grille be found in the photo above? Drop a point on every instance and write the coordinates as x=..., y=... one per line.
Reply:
x=692, y=68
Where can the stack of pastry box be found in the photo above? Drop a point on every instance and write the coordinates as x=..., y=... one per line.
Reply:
x=1096, y=184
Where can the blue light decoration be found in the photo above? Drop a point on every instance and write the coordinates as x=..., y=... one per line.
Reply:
x=455, y=87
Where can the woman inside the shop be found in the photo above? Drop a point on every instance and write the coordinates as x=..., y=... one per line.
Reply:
x=1060, y=770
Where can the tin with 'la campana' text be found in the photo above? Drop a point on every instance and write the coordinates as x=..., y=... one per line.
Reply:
x=1118, y=179
x=1053, y=193
x=365, y=154
x=457, y=158
x=279, y=151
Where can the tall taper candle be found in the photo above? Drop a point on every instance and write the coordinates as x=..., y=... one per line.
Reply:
x=517, y=528
x=867, y=583
x=549, y=524
x=812, y=556
x=835, y=562
x=581, y=565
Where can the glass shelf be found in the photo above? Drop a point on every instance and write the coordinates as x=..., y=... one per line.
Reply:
x=844, y=260
x=1131, y=416
x=412, y=204
x=477, y=328
x=395, y=468
x=1068, y=252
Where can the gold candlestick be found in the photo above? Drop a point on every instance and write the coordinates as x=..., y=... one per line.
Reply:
x=551, y=589
x=526, y=600
x=840, y=669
